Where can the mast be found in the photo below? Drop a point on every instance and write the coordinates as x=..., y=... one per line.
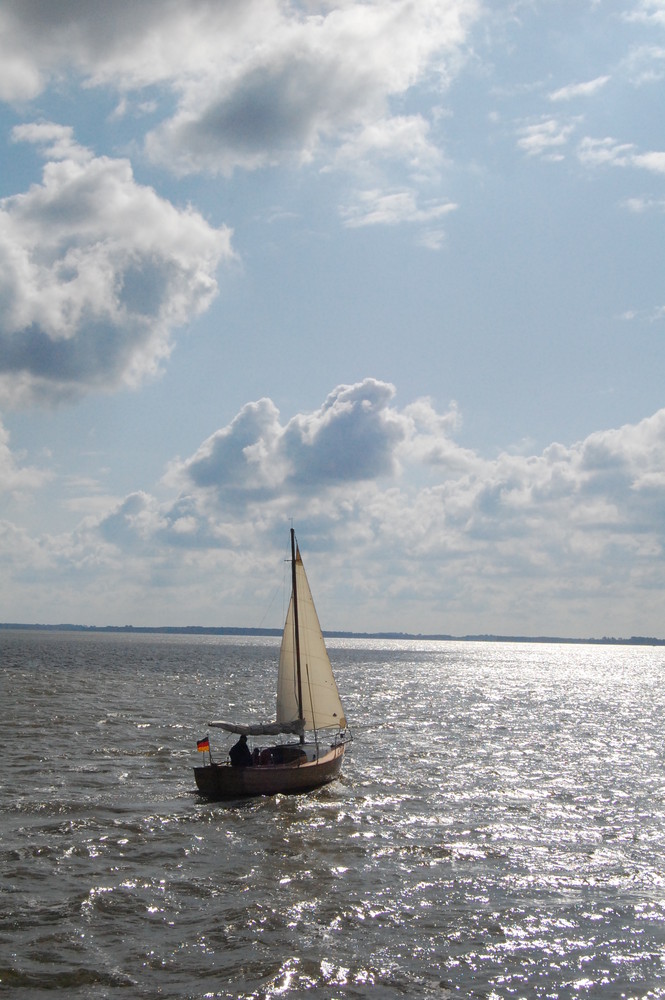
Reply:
x=294, y=587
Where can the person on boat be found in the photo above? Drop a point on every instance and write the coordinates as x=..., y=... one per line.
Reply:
x=240, y=753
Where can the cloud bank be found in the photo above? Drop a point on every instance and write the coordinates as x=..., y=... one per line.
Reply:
x=401, y=524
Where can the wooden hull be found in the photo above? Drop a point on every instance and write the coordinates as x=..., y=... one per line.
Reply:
x=221, y=781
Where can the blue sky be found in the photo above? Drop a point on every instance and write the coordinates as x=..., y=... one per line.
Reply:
x=392, y=270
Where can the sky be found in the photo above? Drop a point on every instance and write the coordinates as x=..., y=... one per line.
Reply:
x=390, y=271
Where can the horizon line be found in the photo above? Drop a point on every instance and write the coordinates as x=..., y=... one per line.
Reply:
x=634, y=640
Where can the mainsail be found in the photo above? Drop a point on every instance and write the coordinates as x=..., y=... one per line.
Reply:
x=321, y=706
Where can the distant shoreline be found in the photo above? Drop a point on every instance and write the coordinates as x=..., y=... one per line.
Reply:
x=635, y=640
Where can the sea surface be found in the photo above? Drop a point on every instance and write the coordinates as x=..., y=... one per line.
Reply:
x=498, y=831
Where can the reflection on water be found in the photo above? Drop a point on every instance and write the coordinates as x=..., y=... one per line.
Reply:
x=498, y=830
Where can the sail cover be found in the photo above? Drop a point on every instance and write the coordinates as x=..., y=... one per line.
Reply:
x=322, y=707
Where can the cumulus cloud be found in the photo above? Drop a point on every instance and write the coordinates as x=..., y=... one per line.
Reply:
x=96, y=272
x=242, y=459
x=350, y=438
x=398, y=477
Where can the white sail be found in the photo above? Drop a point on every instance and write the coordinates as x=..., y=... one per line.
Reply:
x=321, y=706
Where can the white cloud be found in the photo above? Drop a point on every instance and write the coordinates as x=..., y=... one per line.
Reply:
x=573, y=90
x=299, y=83
x=655, y=315
x=644, y=204
x=402, y=138
x=546, y=137
x=432, y=239
x=255, y=81
x=654, y=162
x=651, y=12
x=97, y=271
x=609, y=152
x=376, y=207
x=56, y=141
x=644, y=65
x=601, y=152
x=134, y=45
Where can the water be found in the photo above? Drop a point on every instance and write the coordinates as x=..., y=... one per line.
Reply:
x=499, y=830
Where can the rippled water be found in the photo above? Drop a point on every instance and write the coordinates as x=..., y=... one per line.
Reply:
x=499, y=830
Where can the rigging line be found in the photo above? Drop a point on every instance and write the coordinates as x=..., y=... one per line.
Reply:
x=286, y=586
x=311, y=702
x=279, y=587
x=272, y=601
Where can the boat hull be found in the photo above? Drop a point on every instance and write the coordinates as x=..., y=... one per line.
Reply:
x=221, y=781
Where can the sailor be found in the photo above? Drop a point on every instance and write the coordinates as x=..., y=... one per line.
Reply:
x=240, y=754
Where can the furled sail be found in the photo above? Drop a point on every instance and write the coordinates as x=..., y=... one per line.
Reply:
x=259, y=728
x=321, y=706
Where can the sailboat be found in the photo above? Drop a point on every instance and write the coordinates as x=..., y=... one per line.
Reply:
x=308, y=706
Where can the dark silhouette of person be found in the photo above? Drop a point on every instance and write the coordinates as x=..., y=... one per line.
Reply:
x=240, y=754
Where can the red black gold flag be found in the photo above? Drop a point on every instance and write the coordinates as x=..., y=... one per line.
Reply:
x=203, y=745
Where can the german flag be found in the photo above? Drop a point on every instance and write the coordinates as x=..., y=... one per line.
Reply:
x=203, y=745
